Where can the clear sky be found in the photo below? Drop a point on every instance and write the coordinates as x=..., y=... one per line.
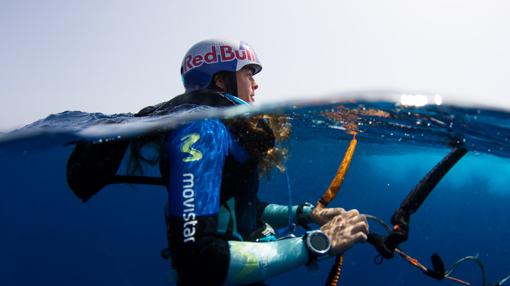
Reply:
x=115, y=56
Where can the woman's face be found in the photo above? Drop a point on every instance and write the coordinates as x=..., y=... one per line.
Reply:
x=246, y=85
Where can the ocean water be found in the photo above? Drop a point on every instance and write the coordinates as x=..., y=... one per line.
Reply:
x=49, y=237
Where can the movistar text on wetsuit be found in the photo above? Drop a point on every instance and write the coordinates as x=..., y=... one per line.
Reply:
x=188, y=203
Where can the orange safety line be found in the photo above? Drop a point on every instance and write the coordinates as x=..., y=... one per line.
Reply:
x=339, y=262
x=411, y=260
x=333, y=189
x=337, y=181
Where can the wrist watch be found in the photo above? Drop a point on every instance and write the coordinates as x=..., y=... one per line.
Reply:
x=317, y=243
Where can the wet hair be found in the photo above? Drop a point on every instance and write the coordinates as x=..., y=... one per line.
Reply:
x=263, y=137
x=277, y=155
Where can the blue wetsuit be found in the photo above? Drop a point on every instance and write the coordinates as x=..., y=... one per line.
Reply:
x=197, y=188
x=208, y=170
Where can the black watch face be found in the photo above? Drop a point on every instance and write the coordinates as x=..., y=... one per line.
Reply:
x=319, y=241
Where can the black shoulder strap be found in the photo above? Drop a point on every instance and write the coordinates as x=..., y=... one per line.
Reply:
x=91, y=166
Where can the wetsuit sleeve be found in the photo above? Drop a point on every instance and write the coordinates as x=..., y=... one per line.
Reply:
x=257, y=261
x=197, y=152
x=278, y=215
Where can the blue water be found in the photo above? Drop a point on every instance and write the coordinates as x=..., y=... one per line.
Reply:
x=48, y=237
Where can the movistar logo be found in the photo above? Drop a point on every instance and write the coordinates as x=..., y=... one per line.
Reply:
x=188, y=211
x=186, y=147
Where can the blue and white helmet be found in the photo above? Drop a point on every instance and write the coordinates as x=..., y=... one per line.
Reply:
x=206, y=58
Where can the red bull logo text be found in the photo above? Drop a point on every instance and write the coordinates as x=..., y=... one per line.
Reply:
x=217, y=54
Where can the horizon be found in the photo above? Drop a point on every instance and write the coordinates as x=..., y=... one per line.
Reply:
x=114, y=57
